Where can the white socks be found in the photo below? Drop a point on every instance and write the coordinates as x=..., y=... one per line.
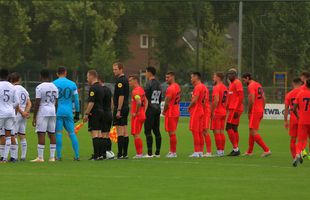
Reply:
x=7, y=148
x=1, y=150
x=23, y=144
x=52, y=150
x=41, y=151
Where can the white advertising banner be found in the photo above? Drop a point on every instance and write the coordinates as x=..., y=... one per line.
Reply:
x=274, y=111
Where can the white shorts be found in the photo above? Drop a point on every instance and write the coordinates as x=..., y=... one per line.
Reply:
x=46, y=124
x=7, y=124
x=20, y=125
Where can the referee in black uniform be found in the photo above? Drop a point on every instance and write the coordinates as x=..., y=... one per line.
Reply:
x=121, y=110
x=153, y=94
x=95, y=114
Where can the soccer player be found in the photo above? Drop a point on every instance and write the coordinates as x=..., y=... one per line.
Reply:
x=153, y=94
x=23, y=113
x=44, y=115
x=172, y=112
x=304, y=77
x=218, y=112
x=121, y=109
x=206, y=124
x=8, y=104
x=302, y=112
x=95, y=115
x=256, y=108
x=138, y=108
x=67, y=90
x=107, y=122
x=196, y=110
x=292, y=124
x=235, y=109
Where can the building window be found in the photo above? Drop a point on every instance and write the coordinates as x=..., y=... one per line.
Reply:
x=144, y=41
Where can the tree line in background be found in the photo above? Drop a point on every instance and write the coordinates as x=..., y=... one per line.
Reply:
x=36, y=34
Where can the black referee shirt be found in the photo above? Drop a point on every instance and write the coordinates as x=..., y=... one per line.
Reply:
x=96, y=95
x=107, y=98
x=153, y=94
x=121, y=89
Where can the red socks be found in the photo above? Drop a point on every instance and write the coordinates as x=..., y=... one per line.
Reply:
x=251, y=144
x=223, y=141
x=202, y=143
x=237, y=137
x=293, y=147
x=232, y=138
x=218, y=140
x=139, y=146
x=173, y=143
x=208, y=142
x=259, y=140
x=197, y=143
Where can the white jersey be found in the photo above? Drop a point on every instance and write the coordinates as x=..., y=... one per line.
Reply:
x=8, y=99
x=23, y=97
x=48, y=93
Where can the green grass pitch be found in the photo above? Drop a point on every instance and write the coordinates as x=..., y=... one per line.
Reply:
x=181, y=178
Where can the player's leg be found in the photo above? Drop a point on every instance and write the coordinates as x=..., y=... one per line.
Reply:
x=230, y=128
x=257, y=117
x=216, y=127
x=171, y=127
x=148, y=133
x=14, y=147
x=59, y=128
x=293, y=130
x=51, y=128
x=194, y=128
x=301, y=144
x=124, y=122
x=8, y=127
x=136, y=126
x=41, y=129
x=106, y=126
x=207, y=139
x=69, y=126
x=156, y=131
x=23, y=144
x=2, y=144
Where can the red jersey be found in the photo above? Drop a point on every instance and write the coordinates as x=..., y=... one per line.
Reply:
x=256, y=89
x=139, y=93
x=303, y=102
x=207, y=101
x=221, y=91
x=290, y=100
x=200, y=92
x=235, y=96
x=303, y=87
x=174, y=92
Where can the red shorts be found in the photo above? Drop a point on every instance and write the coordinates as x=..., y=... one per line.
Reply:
x=254, y=120
x=231, y=119
x=218, y=122
x=206, y=121
x=136, y=125
x=196, y=122
x=293, y=130
x=303, y=132
x=171, y=123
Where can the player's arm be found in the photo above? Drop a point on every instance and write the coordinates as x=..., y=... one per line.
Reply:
x=240, y=95
x=90, y=105
x=138, y=102
x=120, y=105
x=286, y=110
x=166, y=106
x=35, y=111
x=76, y=105
x=216, y=99
x=251, y=102
x=193, y=102
x=146, y=104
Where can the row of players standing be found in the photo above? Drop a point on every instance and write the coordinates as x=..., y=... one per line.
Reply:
x=146, y=108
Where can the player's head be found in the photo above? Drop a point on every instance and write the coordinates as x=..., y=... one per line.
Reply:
x=92, y=76
x=195, y=77
x=150, y=72
x=118, y=69
x=305, y=76
x=4, y=73
x=297, y=82
x=14, y=78
x=246, y=78
x=170, y=77
x=45, y=75
x=61, y=71
x=218, y=77
x=133, y=80
x=232, y=74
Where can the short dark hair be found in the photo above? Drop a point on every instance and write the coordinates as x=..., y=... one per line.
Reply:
x=152, y=70
x=61, y=70
x=308, y=83
x=171, y=73
x=119, y=65
x=247, y=75
x=134, y=77
x=45, y=73
x=297, y=81
x=196, y=74
x=93, y=73
x=306, y=74
x=4, y=73
x=14, y=77
x=221, y=75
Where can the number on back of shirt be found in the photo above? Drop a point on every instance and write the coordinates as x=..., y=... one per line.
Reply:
x=306, y=100
x=23, y=98
x=6, y=96
x=50, y=96
x=65, y=93
x=224, y=97
x=155, y=97
x=260, y=93
x=177, y=98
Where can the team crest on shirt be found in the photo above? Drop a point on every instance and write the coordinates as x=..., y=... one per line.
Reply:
x=120, y=85
x=91, y=94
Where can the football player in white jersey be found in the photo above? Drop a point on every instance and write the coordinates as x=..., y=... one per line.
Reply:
x=8, y=105
x=44, y=116
x=23, y=113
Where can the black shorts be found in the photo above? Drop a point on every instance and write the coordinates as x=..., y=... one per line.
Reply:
x=107, y=122
x=123, y=121
x=95, y=121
